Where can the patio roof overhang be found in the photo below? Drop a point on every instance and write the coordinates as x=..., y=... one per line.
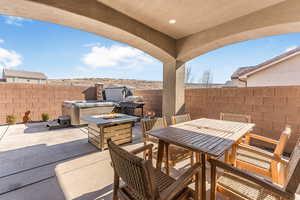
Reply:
x=200, y=26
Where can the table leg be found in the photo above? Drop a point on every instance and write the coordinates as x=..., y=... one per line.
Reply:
x=160, y=154
x=233, y=155
x=197, y=180
x=213, y=175
x=167, y=159
x=203, y=176
x=226, y=156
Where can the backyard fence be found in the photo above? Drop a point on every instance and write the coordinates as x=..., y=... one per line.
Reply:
x=17, y=98
x=271, y=108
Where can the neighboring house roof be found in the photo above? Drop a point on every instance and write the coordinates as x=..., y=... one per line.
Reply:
x=233, y=83
x=229, y=84
x=244, y=72
x=241, y=71
x=23, y=74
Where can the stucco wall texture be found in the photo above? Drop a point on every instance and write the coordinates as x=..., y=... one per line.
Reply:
x=24, y=80
x=284, y=73
x=17, y=98
x=271, y=108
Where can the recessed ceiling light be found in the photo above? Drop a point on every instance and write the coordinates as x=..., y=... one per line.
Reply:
x=172, y=21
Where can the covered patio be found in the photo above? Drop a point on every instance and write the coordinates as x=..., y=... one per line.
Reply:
x=61, y=164
x=174, y=32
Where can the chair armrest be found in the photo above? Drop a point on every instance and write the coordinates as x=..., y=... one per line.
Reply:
x=262, y=138
x=263, y=153
x=183, y=181
x=259, y=181
x=142, y=149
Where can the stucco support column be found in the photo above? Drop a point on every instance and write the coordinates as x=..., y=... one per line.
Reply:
x=173, y=89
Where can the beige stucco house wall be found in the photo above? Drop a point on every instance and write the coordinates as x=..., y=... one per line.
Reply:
x=23, y=80
x=282, y=70
x=284, y=73
x=19, y=76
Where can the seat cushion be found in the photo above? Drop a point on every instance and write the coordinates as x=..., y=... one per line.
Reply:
x=244, y=187
x=253, y=159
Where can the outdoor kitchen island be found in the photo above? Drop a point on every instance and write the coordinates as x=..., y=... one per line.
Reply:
x=116, y=126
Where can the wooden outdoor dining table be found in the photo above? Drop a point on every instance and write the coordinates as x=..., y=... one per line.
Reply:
x=206, y=137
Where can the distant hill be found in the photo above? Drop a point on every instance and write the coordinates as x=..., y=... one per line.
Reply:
x=137, y=84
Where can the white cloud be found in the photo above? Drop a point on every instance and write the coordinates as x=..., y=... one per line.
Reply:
x=1, y=41
x=9, y=58
x=290, y=48
x=115, y=55
x=16, y=21
x=92, y=44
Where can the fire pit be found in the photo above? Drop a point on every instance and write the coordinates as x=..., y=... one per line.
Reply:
x=117, y=126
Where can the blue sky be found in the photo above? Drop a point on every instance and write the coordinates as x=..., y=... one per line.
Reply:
x=62, y=52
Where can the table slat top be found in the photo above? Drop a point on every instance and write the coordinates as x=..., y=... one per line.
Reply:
x=100, y=120
x=204, y=135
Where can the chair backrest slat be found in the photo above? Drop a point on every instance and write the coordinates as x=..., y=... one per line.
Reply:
x=152, y=124
x=293, y=170
x=176, y=119
x=235, y=117
x=134, y=171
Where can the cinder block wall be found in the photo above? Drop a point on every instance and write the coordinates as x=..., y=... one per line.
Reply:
x=271, y=108
x=17, y=98
x=153, y=100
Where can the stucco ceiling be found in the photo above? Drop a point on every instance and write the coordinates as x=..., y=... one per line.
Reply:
x=192, y=16
x=202, y=25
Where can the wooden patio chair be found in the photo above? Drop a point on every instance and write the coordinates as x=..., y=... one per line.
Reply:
x=176, y=153
x=176, y=119
x=235, y=117
x=261, y=161
x=141, y=181
x=152, y=124
x=238, y=184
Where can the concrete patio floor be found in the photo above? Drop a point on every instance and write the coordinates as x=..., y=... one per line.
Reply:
x=29, y=154
x=33, y=159
x=38, y=164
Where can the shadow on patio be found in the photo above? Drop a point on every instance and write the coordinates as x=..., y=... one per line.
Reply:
x=28, y=161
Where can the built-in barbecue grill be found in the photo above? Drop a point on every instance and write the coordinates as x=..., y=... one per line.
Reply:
x=115, y=99
x=130, y=107
x=127, y=103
